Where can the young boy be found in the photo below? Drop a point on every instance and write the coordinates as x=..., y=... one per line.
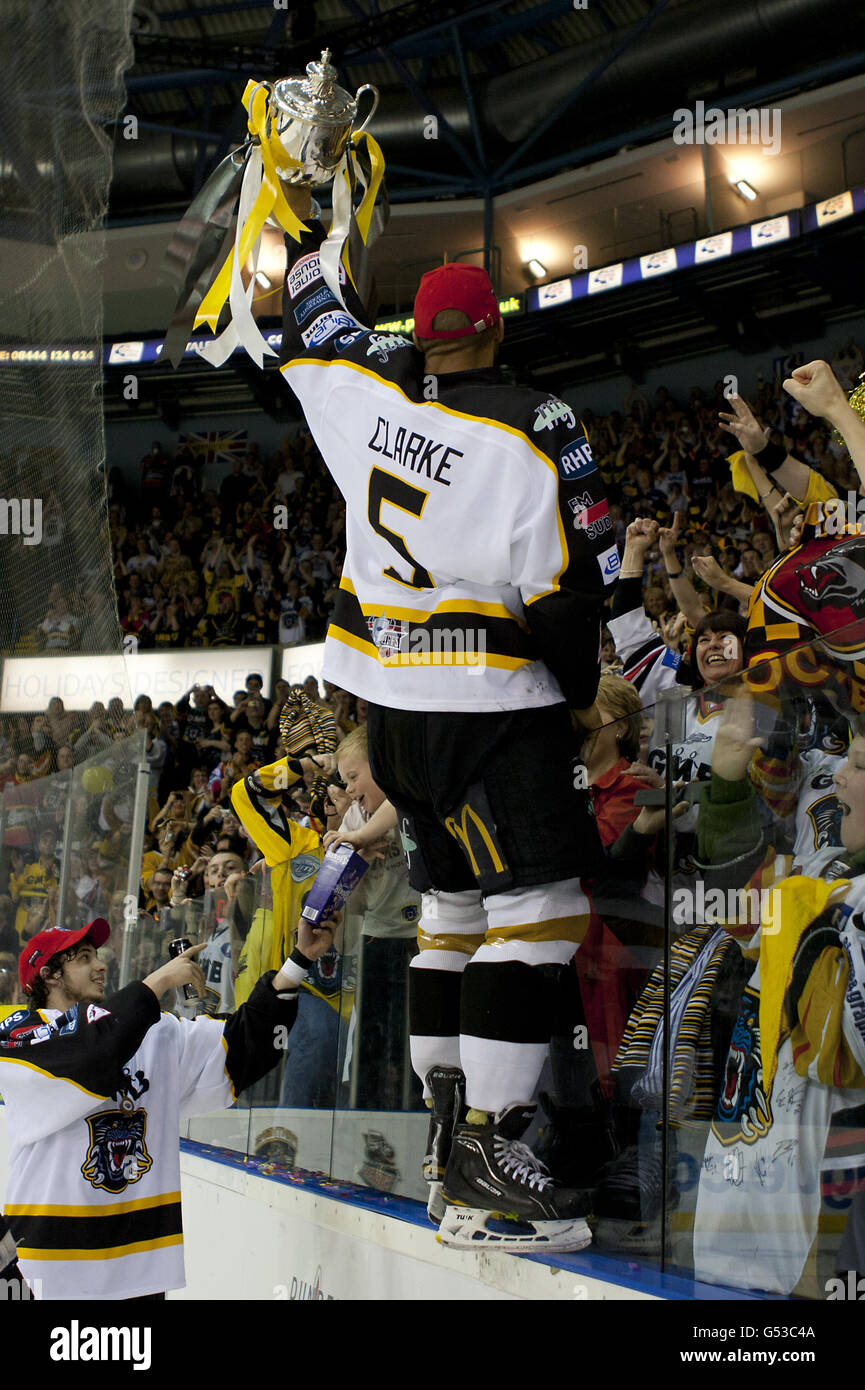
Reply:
x=386, y=910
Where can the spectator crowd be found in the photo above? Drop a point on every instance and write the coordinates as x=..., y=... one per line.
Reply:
x=258, y=562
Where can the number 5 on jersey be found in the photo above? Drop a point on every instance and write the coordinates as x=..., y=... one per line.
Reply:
x=384, y=487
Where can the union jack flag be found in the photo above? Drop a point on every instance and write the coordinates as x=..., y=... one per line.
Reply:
x=217, y=446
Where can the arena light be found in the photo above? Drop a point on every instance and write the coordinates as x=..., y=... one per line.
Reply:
x=745, y=190
x=263, y=280
x=535, y=268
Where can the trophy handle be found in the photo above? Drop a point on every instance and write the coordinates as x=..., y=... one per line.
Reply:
x=367, y=87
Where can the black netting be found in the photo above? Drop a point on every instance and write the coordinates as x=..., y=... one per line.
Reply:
x=62, y=87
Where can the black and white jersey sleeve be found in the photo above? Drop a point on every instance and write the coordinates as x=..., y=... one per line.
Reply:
x=648, y=663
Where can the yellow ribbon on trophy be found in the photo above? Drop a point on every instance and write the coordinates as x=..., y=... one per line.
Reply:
x=270, y=202
x=262, y=198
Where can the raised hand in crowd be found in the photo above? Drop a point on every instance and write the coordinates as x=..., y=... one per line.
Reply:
x=788, y=518
x=742, y=423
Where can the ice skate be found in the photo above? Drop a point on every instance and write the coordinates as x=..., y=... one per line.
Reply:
x=448, y=1096
x=496, y=1193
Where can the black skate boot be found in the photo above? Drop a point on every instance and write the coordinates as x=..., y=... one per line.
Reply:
x=448, y=1086
x=496, y=1192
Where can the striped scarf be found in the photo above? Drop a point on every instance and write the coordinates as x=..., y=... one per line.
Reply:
x=695, y=962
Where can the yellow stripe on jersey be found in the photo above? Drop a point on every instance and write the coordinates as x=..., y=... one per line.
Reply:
x=458, y=415
x=553, y=929
x=466, y=943
x=113, y=1252
x=164, y=1199
x=19, y=1062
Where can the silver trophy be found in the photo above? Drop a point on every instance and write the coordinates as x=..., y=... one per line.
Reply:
x=314, y=120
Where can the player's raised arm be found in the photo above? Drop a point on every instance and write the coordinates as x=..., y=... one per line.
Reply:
x=313, y=318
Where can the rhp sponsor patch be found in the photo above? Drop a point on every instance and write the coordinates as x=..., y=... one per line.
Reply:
x=575, y=460
x=610, y=564
x=305, y=271
x=325, y=326
x=313, y=305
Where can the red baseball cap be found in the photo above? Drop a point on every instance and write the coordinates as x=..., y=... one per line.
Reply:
x=45, y=945
x=455, y=286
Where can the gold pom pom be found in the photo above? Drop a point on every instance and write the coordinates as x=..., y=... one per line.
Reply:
x=857, y=401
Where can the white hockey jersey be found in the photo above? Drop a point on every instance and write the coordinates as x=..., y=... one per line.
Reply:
x=759, y=1192
x=94, y=1102
x=479, y=542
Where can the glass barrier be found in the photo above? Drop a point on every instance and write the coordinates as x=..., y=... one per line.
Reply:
x=705, y=1081
x=70, y=850
x=764, y=1084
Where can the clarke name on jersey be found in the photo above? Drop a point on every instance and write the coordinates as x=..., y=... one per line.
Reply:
x=412, y=450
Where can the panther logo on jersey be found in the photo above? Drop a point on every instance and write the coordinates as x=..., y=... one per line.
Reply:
x=117, y=1155
x=836, y=582
x=743, y=1112
x=825, y=817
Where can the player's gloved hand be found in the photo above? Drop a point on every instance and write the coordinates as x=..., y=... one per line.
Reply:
x=182, y=970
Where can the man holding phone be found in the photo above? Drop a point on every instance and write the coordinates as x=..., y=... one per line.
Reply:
x=95, y=1092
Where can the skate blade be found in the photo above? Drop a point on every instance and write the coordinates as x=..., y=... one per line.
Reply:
x=470, y=1228
x=435, y=1207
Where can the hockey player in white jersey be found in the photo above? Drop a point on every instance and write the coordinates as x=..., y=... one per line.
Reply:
x=95, y=1090
x=479, y=553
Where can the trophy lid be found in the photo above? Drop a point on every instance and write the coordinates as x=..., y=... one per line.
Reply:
x=315, y=98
